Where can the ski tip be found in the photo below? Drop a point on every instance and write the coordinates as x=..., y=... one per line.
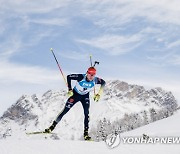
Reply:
x=51, y=49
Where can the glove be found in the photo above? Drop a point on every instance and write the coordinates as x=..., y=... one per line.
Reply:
x=70, y=93
x=96, y=97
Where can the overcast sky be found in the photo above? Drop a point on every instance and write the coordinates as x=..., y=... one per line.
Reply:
x=136, y=41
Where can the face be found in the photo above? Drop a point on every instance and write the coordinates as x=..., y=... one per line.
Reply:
x=90, y=77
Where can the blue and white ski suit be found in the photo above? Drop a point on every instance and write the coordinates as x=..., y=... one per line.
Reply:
x=80, y=93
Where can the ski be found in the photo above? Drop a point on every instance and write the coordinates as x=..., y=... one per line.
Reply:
x=89, y=140
x=38, y=132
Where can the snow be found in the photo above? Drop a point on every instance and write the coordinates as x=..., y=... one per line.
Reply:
x=79, y=147
x=166, y=127
x=119, y=99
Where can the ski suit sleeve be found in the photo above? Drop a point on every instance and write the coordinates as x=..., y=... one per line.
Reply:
x=70, y=77
x=102, y=83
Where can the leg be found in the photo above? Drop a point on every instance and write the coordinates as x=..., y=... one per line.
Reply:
x=85, y=103
x=70, y=103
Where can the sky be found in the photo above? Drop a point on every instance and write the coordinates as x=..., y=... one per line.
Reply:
x=136, y=41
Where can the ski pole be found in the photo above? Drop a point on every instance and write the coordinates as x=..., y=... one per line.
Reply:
x=90, y=60
x=90, y=57
x=59, y=67
x=96, y=62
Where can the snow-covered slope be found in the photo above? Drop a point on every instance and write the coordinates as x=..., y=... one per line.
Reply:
x=166, y=127
x=33, y=113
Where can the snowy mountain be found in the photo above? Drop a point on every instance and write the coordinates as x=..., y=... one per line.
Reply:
x=122, y=106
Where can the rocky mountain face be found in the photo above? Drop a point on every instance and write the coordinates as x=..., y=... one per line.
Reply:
x=123, y=91
x=120, y=101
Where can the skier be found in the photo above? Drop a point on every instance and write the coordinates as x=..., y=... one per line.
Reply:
x=80, y=92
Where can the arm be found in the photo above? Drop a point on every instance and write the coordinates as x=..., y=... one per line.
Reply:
x=70, y=77
x=102, y=83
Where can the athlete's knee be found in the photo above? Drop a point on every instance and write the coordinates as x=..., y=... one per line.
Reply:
x=70, y=102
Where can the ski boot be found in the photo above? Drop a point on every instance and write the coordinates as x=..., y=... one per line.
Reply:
x=86, y=136
x=51, y=128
